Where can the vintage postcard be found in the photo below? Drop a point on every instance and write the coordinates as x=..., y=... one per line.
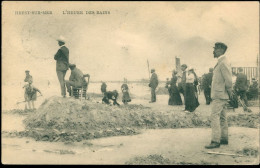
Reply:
x=130, y=83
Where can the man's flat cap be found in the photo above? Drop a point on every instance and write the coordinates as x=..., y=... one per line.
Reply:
x=220, y=45
x=240, y=69
x=184, y=65
x=72, y=65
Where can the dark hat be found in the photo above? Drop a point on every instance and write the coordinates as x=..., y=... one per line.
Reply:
x=190, y=69
x=220, y=45
x=210, y=69
x=184, y=65
x=240, y=69
x=72, y=65
x=174, y=72
x=27, y=71
x=153, y=70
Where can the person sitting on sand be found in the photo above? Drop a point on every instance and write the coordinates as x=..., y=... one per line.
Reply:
x=30, y=95
x=110, y=96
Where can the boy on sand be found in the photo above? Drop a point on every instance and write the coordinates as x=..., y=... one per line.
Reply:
x=30, y=95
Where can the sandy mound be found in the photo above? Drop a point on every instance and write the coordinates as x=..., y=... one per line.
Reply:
x=70, y=119
x=59, y=119
x=250, y=120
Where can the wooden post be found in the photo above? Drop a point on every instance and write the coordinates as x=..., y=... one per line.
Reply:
x=148, y=69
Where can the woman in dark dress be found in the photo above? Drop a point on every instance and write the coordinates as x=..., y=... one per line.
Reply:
x=126, y=97
x=103, y=88
x=175, y=98
x=191, y=101
x=170, y=102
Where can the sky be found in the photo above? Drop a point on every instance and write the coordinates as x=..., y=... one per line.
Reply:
x=117, y=45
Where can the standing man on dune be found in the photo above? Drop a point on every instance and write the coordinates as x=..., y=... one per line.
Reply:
x=62, y=64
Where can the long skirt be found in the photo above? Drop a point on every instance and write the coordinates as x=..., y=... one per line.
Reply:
x=175, y=98
x=126, y=97
x=191, y=101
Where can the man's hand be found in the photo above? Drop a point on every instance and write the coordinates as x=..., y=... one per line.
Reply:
x=230, y=94
x=86, y=75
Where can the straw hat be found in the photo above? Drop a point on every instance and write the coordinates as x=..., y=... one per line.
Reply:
x=61, y=39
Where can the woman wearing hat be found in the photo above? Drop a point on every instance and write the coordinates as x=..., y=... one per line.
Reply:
x=175, y=98
x=191, y=101
x=126, y=97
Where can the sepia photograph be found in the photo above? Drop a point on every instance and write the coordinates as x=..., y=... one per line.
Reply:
x=130, y=83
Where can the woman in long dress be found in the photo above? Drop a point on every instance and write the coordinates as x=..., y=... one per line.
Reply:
x=126, y=97
x=191, y=101
x=175, y=98
x=170, y=102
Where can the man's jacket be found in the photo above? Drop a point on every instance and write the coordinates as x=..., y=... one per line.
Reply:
x=62, y=59
x=153, y=81
x=241, y=82
x=221, y=80
x=207, y=80
x=77, y=77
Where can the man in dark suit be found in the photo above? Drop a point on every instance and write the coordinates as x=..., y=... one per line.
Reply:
x=241, y=87
x=207, y=80
x=153, y=85
x=62, y=64
x=221, y=91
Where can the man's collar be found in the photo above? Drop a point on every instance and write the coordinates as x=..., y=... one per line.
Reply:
x=221, y=57
x=62, y=45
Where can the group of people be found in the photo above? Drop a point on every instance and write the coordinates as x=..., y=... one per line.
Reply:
x=76, y=79
x=113, y=95
x=240, y=87
x=187, y=87
x=218, y=90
